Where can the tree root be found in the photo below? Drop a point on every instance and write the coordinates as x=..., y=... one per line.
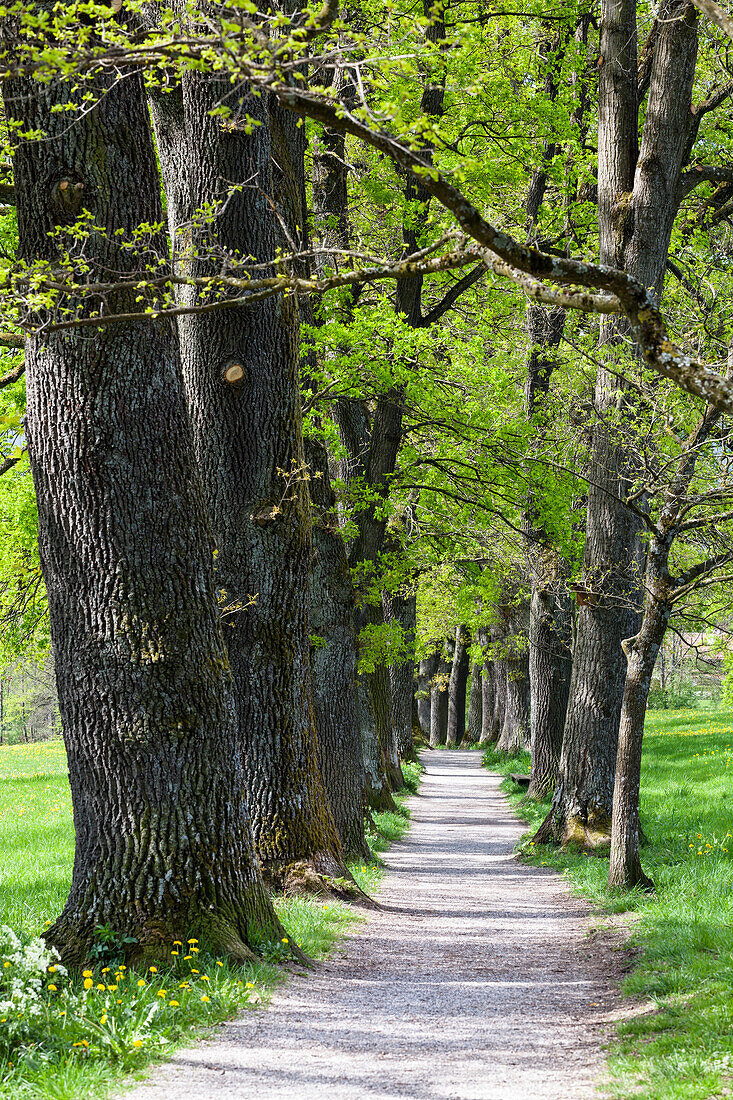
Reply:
x=313, y=878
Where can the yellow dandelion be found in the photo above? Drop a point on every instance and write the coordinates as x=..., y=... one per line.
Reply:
x=205, y=998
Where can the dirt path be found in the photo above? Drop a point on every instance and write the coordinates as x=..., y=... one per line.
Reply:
x=476, y=981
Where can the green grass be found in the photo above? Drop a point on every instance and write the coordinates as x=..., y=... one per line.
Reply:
x=683, y=1050
x=92, y=1038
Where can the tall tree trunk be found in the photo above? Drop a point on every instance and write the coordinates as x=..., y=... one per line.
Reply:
x=457, y=685
x=426, y=670
x=625, y=862
x=403, y=609
x=381, y=701
x=550, y=667
x=513, y=667
x=332, y=602
x=638, y=198
x=163, y=840
x=376, y=788
x=439, y=696
x=247, y=437
x=550, y=613
x=333, y=663
x=475, y=699
x=489, y=725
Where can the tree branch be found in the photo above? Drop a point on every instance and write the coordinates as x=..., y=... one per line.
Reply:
x=452, y=296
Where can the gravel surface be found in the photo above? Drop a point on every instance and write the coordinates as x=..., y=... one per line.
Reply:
x=478, y=979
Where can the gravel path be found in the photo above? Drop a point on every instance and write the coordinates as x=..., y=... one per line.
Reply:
x=477, y=981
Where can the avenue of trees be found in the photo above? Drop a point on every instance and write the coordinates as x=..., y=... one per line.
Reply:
x=367, y=383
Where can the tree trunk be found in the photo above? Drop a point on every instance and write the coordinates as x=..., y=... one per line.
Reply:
x=638, y=198
x=475, y=698
x=625, y=862
x=439, y=696
x=511, y=635
x=457, y=685
x=426, y=670
x=489, y=725
x=247, y=437
x=333, y=663
x=163, y=841
x=376, y=788
x=381, y=701
x=550, y=667
x=499, y=677
x=403, y=609
x=641, y=651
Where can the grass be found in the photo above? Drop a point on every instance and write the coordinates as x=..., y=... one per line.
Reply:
x=85, y=1040
x=683, y=1049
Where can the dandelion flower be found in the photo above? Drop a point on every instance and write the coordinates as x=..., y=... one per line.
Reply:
x=88, y=983
x=205, y=998
x=174, y=1004
x=141, y=982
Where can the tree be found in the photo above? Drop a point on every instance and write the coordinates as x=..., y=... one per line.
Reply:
x=240, y=367
x=163, y=841
x=457, y=685
x=639, y=191
x=676, y=508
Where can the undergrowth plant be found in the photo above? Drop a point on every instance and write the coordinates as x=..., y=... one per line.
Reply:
x=65, y=1036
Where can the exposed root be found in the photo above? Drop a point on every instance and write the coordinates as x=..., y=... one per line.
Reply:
x=321, y=878
x=591, y=835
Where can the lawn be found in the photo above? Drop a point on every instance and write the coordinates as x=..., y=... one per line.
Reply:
x=683, y=1050
x=83, y=1040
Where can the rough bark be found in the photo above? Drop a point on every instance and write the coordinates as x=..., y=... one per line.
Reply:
x=333, y=663
x=439, y=696
x=499, y=678
x=512, y=664
x=376, y=788
x=550, y=612
x=625, y=862
x=475, y=699
x=403, y=609
x=550, y=667
x=163, y=842
x=489, y=725
x=638, y=198
x=380, y=697
x=457, y=685
x=248, y=442
x=661, y=589
x=426, y=670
